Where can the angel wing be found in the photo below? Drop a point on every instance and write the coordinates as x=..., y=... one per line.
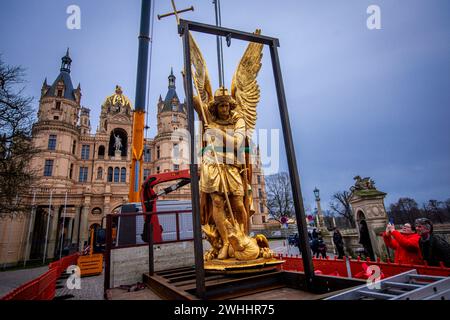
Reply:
x=200, y=77
x=244, y=87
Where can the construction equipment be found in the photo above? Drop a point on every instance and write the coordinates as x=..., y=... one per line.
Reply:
x=149, y=197
x=91, y=264
x=405, y=286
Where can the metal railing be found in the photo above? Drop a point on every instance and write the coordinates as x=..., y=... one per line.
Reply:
x=176, y=227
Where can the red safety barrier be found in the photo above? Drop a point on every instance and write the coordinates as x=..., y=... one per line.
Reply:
x=43, y=287
x=391, y=269
x=333, y=267
x=338, y=267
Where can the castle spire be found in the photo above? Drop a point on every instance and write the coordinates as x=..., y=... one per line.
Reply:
x=172, y=79
x=66, y=61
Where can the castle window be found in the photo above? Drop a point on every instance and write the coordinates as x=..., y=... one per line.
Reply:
x=85, y=150
x=58, y=105
x=123, y=175
x=52, y=142
x=60, y=93
x=158, y=152
x=259, y=179
x=116, y=175
x=100, y=173
x=74, y=147
x=174, y=108
x=146, y=173
x=260, y=194
x=176, y=151
x=147, y=155
x=174, y=118
x=83, y=174
x=158, y=170
x=263, y=219
x=176, y=167
x=55, y=118
x=101, y=152
x=261, y=207
x=48, y=169
x=71, y=171
x=110, y=174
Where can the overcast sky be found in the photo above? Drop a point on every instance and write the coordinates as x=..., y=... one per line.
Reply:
x=362, y=102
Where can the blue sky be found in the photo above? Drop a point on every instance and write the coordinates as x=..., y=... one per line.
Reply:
x=362, y=102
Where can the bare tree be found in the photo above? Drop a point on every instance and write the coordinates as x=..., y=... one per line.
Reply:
x=279, y=196
x=405, y=210
x=340, y=204
x=16, y=149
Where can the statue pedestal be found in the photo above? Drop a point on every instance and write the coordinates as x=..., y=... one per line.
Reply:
x=118, y=155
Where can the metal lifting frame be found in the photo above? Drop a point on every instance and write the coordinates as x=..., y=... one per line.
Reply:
x=184, y=28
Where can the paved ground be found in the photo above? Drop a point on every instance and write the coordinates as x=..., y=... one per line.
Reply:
x=9, y=280
x=91, y=289
x=282, y=246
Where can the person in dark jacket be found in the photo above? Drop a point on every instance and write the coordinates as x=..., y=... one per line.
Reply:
x=338, y=243
x=434, y=249
x=364, y=239
x=321, y=249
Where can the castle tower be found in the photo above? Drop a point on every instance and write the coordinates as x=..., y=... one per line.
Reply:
x=57, y=134
x=56, y=131
x=85, y=122
x=171, y=142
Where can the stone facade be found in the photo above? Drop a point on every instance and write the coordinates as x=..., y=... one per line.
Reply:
x=84, y=176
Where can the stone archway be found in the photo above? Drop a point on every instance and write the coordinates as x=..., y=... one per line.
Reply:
x=364, y=235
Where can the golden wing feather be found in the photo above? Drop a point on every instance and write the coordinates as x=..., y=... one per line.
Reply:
x=200, y=78
x=244, y=87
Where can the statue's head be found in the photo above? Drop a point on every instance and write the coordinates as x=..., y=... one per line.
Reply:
x=222, y=104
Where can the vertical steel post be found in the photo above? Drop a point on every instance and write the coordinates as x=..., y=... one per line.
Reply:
x=293, y=171
x=195, y=192
x=106, y=284
x=151, y=259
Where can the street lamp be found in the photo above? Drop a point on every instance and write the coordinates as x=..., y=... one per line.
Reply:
x=316, y=194
x=320, y=221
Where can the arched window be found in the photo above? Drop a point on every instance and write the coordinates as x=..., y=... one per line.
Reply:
x=116, y=175
x=101, y=152
x=100, y=173
x=110, y=174
x=123, y=175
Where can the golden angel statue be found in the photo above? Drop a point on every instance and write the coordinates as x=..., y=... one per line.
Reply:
x=229, y=119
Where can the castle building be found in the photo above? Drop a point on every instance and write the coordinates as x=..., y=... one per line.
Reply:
x=84, y=176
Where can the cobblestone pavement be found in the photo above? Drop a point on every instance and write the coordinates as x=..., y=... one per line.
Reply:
x=91, y=289
x=282, y=247
x=10, y=280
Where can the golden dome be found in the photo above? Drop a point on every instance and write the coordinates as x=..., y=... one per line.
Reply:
x=118, y=99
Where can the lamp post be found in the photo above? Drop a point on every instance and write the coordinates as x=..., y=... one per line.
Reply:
x=319, y=209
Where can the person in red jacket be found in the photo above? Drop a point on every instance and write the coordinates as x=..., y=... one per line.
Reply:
x=405, y=243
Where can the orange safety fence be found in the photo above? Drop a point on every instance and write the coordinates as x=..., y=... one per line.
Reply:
x=357, y=268
x=43, y=287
